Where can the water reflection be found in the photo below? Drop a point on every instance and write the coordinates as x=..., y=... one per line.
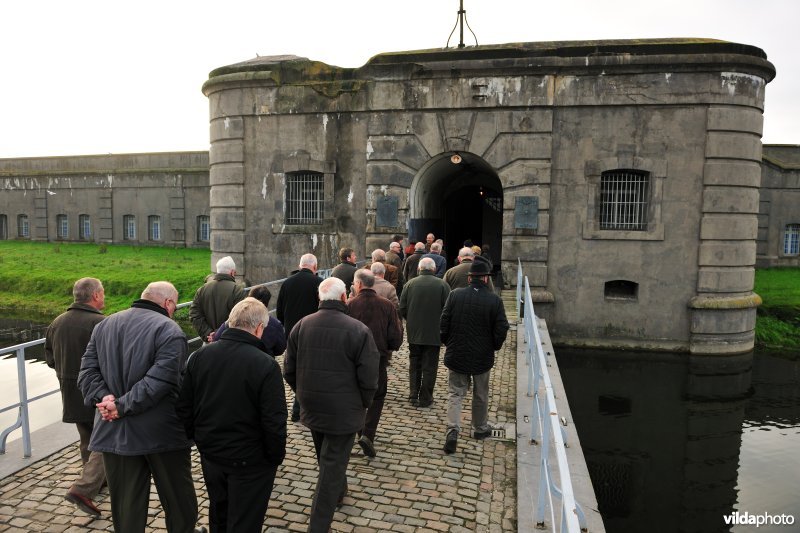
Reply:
x=663, y=436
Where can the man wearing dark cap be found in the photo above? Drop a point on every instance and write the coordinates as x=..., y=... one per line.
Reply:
x=473, y=327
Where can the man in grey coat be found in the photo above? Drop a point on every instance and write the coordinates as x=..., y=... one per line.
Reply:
x=132, y=372
x=421, y=305
x=332, y=364
x=64, y=345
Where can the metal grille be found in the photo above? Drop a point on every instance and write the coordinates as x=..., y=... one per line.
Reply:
x=305, y=198
x=624, y=199
x=84, y=226
x=791, y=240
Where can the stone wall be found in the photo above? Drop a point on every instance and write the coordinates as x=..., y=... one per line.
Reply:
x=107, y=188
x=543, y=121
x=780, y=205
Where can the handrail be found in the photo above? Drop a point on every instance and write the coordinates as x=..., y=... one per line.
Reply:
x=23, y=418
x=545, y=427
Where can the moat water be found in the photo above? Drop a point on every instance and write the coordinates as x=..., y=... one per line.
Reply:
x=674, y=443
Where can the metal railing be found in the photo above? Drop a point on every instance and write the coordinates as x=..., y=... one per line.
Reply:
x=546, y=429
x=23, y=417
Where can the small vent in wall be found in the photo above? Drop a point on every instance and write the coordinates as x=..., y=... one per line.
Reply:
x=621, y=289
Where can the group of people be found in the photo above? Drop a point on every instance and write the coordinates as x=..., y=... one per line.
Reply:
x=140, y=400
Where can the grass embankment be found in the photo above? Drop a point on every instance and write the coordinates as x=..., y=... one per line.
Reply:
x=778, y=324
x=36, y=278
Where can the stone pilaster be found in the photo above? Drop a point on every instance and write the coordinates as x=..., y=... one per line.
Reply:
x=226, y=202
x=724, y=309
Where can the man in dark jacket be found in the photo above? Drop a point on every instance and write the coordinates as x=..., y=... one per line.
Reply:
x=347, y=268
x=421, y=305
x=436, y=255
x=273, y=336
x=233, y=405
x=458, y=276
x=332, y=364
x=65, y=342
x=213, y=301
x=296, y=299
x=411, y=264
x=131, y=371
x=380, y=316
x=473, y=327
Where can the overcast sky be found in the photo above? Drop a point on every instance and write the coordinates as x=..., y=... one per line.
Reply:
x=91, y=77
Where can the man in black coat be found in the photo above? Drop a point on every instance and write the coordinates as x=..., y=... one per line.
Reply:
x=332, y=365
x=296, y=299
x=233, y=405
x=410, y=265
x=473, y=327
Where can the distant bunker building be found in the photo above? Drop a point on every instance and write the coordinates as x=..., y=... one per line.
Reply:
x=623, y=175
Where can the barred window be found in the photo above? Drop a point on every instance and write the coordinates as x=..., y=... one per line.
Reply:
x=62, y=226
x=305, y=194
x=129, y=227
x=23, y=227
x=624, y=200
x=84, y=227
x=791, y=240
x=203, y=228
x=154, y=227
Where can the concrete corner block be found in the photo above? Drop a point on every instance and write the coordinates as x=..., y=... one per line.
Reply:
x=226, y=128
x=730, y=118
x=733, y=145
x=731, y=200
x=227, y=220
x=227, y=196
x=727, y=253
x=725, y=280
x=728, y=227
x=227, y=151
x=719, y=321
x=226, y=174
x=227, y=242
x=733, y=173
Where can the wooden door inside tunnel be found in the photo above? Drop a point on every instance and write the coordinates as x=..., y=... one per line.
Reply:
x=458, y=197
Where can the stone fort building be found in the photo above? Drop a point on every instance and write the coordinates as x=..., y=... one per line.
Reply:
x=626, y=176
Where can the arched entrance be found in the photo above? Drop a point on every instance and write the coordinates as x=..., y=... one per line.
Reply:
x=458, y=196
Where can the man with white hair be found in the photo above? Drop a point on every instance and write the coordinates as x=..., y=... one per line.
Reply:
x=395, y=255
x=233, y=406
x=213, y=301
x=421, y=305
x=392, y=272
x=382, y=287
x=411, y=264
x=439, y=260
x=332, y=365
x=296, y=299
x=131, y=372
x=457, y=277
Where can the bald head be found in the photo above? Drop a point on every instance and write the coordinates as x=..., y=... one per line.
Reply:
x=162, y=293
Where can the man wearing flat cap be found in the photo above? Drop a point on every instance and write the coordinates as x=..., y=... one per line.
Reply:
x=473, y=327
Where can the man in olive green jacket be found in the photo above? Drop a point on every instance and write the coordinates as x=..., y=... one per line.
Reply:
x=64, y=344
x=421, y=305
x=213, y=301
x=457, y=277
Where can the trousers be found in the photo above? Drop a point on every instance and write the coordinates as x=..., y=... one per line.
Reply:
x=129, y=485
x=238, y=496
x=333, y=455
x=374, y=411
x=423, y=362
x=93, y=474
x=458, y=385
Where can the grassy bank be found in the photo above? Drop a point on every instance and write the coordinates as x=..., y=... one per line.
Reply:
x=778, y=325
x=36, y=278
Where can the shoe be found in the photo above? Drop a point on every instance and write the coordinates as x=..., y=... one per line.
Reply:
x=295, y=417
x=424, y=405
x=414, y=402
x=200, y=529
x=481, y=435
x=451, y=441
x=367, y=446
x=340, y=501
x=83, y=503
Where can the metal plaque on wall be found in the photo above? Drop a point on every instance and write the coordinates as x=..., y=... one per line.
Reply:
x=387, y=211
x=526, y=212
